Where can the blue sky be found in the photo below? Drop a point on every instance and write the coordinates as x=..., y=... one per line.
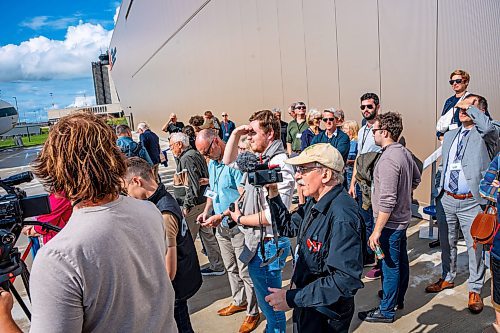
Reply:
x=47, y=46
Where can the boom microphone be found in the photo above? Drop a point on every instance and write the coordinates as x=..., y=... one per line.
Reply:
x=247, y=161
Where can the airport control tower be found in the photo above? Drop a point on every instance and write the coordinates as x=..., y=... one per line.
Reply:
x=104, y=86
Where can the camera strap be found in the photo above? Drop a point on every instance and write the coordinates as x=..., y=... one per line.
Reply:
x=279, y=252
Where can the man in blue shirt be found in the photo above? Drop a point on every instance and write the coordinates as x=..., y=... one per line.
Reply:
x=128, y=146
x=227, y=126
x=224, y=189
x=332, y=134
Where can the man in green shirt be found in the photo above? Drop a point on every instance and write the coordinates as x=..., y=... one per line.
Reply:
x=295, y=129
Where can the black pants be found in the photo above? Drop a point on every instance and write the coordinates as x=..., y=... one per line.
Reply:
x=310, y=320
x=181, y=315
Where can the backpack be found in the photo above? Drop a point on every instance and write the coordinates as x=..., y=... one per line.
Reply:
x=132, y=152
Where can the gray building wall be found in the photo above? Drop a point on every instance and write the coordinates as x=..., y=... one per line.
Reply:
x=240, y=56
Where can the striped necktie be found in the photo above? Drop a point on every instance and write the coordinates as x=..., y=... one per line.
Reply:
x=454, y=174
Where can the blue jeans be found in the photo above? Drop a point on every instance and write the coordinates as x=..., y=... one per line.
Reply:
x=395, y=270
x=269, y=276
x=367, y=216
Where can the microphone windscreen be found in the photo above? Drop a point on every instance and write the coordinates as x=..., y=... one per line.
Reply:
x=247, y=161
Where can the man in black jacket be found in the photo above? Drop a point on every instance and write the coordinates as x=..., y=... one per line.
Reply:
x=329, y=263
x=151, y=142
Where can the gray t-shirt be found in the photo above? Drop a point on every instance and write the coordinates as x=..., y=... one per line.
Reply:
x=105, y=272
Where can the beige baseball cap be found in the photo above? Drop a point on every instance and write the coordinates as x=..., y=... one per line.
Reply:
x=323, y=153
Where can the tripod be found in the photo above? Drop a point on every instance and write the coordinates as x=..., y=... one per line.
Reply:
x=14, y=266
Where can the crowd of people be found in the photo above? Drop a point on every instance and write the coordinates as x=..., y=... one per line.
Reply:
x=126, y=260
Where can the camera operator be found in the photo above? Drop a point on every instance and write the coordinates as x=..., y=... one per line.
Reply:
x=263, y=134
x=329, y=260
x=96, y=275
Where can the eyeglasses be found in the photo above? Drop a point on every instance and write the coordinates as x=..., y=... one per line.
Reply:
x=457, y=81
x=328, y=119
x=378, y=129
x=369, y=107
x=207, y=152
x=303, y=170
x=303, y=107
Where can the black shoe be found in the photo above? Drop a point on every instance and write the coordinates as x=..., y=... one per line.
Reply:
x=369, y=261
x=400, y=306
x=374, y=316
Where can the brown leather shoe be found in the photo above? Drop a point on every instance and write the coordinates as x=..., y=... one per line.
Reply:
x=249, y=324
x=439, y=286
x=231, y=310
x=475, y=303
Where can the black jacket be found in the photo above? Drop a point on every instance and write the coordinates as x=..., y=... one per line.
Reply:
x=329, y=264
x=188, y=279
x=151, y=142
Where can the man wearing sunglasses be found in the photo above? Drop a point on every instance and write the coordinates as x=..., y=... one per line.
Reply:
x=370, y=107
x=459, y=80
x=295, y=129
x=332, y=134
x=467, y=152
x=329, y=256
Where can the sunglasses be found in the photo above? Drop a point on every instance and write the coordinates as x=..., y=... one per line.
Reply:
x=300, y=107
x=224, y=115
x=457, y=81
x=328, y=119
x=369, y=107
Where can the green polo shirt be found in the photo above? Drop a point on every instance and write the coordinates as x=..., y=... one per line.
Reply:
x=294, y=133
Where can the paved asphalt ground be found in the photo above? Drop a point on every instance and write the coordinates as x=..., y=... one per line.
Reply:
x=443, y=312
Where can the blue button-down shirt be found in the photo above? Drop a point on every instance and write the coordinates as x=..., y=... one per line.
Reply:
x=224, y=181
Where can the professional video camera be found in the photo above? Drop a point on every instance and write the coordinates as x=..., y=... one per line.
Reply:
x=15, y=207
x=259, y=174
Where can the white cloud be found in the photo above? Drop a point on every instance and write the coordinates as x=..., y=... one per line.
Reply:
x=39, y=22
x=82, y=101
x=41, y=58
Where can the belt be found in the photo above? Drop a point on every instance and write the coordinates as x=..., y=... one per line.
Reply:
x=459, y=196
x=268, y=239
x=297, y=151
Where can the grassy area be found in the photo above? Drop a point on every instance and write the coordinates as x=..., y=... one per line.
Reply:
x=34, y=140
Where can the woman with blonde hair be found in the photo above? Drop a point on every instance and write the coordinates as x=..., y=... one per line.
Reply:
x=351, y=128
x=313, y=120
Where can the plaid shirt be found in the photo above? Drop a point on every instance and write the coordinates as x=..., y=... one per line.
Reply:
x=486, y=188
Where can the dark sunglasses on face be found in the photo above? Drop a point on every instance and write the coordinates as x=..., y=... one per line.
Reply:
x=300, y=107
x=328, y=119
x=369, y=107
x=457, y=81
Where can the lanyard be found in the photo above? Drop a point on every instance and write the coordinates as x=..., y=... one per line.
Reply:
x=365, y=135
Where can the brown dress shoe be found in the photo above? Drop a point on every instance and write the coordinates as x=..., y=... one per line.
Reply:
x=439, y=286
x=475, y=303
x=249, y=324
x=231, y=310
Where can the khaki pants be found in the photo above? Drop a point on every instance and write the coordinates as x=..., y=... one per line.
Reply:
x=232, y=242
x=207, y=237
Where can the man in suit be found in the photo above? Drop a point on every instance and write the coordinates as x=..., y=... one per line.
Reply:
x=467, y=152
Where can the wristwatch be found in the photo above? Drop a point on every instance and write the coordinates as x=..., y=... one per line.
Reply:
x=238, y=220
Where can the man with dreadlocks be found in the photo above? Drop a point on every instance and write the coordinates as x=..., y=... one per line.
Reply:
x=96, y=275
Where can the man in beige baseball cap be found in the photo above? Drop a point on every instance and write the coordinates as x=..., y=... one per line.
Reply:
x=329, y=244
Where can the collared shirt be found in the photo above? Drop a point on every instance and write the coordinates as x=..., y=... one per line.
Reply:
x=329, y=264
x=339, y=140
x=224, y=181
x=294, y=133
x=463, y=187
x=366, y=141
